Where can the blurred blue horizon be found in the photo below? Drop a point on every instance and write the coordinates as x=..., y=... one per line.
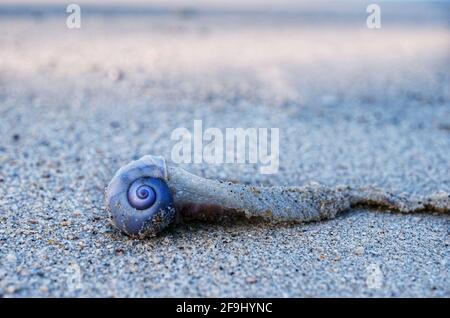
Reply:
x=394, y=11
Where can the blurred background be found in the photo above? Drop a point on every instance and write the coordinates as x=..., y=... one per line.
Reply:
x=313, y=69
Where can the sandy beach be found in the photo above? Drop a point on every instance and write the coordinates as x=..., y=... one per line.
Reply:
x=353, y=105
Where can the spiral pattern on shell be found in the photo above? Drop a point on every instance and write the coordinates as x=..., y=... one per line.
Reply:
x=141, y=194
x=138, y=198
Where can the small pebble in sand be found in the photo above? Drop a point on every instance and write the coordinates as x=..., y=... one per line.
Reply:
x=10, y=289
x=65, y=223
x=11, y=258
x=251, y=280
x=44, y=288
x=359, y=250
x=16, y=137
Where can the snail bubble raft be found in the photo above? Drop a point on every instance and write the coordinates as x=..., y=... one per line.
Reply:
x=145, y=196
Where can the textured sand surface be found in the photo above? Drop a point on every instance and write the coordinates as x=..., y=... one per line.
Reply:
x=354, y=106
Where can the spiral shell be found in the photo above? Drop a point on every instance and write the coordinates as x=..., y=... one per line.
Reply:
x=138, y=198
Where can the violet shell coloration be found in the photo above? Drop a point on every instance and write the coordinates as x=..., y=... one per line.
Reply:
x=138, y=198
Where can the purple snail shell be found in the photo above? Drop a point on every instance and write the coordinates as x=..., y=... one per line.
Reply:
x=138, y=198
x=142, y=195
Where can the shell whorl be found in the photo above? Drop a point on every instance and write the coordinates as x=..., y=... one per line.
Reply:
x=139, y=199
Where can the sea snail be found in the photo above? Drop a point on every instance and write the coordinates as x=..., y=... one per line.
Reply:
x=145, y=196
x=139, y=199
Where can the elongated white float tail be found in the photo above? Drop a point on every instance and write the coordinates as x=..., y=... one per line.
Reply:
x=312, y=202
